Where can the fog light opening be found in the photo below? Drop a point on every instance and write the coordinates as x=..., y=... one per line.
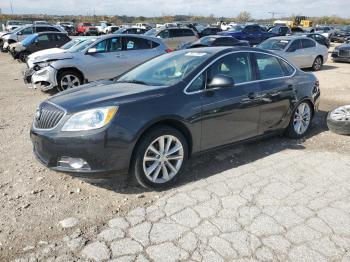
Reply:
x=73, y=163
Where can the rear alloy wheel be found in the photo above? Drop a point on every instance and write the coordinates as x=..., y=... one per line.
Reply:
x=68, y=79
x=317, y=65
x=300, y=121
x=160, y=158
x=338, y=120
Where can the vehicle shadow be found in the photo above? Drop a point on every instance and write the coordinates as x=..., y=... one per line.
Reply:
x=324, y=68
x=216, y=161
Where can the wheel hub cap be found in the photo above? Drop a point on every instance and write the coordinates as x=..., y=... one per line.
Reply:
x=341, y=113
x=302, y=117
x=163, y=159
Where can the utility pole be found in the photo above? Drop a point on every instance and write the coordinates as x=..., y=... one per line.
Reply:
x=11, y=6
x=274, y=13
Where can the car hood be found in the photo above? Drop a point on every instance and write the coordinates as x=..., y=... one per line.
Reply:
x=103, y=93
x=54, y=57
x=3, y=33
x=45, y=52
x=230, y=33
x=343, y=47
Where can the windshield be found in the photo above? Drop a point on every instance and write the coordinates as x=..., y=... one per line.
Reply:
x=274, y=44
x=71, y=43
x=165, y=70
x=206, y=40
x=82, y=46
x=16, y=29
x=15, y=23
x=152, y=32
x=120, y=31
x=235, y=28
x=28, y=40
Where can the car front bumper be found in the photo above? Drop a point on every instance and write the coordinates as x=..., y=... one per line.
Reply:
x=46, y=77
x=337, y=58
x=102, y=153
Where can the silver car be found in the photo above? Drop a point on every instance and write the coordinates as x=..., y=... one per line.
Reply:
x=22, y=32
x=105, y=58
x=302, y=51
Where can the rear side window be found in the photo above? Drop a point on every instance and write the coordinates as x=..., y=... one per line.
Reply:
x=287, y=68
x=295, y=45
x=187, y=32
x=176, y=33
x=268, y=66
x=134, y=43
x=252, y=29
x=61, y=37
x=307, y=43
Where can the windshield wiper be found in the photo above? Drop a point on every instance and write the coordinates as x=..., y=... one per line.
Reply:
x=134, y=82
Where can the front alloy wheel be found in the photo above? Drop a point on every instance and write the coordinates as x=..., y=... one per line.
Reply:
x=163, y=159
x=68, y=79
x=160, y=157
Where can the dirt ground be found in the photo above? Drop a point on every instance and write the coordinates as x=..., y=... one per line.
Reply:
x=34, y=199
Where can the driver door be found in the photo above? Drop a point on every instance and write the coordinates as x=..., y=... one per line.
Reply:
x=230, y=114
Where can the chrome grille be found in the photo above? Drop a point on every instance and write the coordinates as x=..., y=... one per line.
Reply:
x=344, y=53
x=47, y=116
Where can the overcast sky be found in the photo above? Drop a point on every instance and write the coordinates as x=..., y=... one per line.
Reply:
x=227, y=8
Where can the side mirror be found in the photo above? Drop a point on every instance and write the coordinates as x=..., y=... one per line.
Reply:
x=291, y=49
x=220, y=81
x=91, y=51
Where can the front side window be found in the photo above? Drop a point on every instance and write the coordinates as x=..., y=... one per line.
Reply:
x=43, y=38
x=27, y=31
x=268, y=66
x=198, y=84
x=101, y=46
x=164, y=34
x=235, y=65
x=115, y=44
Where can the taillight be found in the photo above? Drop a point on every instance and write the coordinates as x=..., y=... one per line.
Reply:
x=316, y=88
x=169, y=50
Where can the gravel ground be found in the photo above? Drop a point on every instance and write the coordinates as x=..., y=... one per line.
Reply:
x=36, y=202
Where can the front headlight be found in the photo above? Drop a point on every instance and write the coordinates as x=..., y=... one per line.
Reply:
x=43, y=64
x=90, y=119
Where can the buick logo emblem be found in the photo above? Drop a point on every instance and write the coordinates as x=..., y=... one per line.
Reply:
x=38, y=114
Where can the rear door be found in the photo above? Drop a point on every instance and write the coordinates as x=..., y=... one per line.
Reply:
x=277, y=91
x=295, y=53
x=309, y=48
x=42, y=42
x=230, y=114
x=98, y=65
x=137, y=50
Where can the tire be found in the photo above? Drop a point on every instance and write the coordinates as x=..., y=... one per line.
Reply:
x=76, y=79
x=300, y=121
x=157, y=178
x=23, y=56
x=318, y=63
x=338, y=120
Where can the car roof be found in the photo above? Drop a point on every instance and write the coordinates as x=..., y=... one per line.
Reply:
x=289, y=37
x=51, y=32
x=226, y=49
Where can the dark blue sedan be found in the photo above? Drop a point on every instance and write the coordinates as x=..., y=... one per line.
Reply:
x=149, y=121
